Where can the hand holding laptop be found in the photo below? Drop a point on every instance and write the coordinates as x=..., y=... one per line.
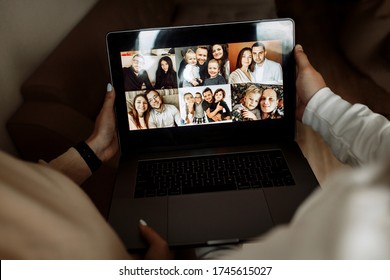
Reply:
x=308, y=82
x=103, y=140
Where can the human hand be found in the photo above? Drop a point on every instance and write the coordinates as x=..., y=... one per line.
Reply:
x=217, y=118
x=158, y=247
x=194, y=83
x=308, y=82
x=103, y=140
x=248, y=115
x=219, y=107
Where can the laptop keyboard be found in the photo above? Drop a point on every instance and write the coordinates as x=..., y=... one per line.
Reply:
x=214, y=173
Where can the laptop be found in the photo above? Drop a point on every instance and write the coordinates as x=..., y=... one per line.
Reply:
x=219, y=123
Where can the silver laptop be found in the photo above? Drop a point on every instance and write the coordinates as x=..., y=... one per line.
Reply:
x=206, y=121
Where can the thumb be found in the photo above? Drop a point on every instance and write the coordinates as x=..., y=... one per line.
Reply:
x=300, y=57
x=109, y=98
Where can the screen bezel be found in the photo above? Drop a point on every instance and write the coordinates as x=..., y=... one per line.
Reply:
x=232, y=133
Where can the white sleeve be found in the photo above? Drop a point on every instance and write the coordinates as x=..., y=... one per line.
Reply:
x=178, y=119
x=187, y=74
x=355, y=134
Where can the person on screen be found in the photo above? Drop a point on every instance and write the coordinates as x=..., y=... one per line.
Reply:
x=191, y=77
x=165, y=74
x=201, y=58
x=219, y=96
x=208, y=101
x=242, y=74
x=220, y=53
x=269, y=105
x=189, y=102
x=135, y=77
x=215, y=77
x=161, y=115
x=139, y=113
x=248, y=109
x=199, y=115
x=265, y=71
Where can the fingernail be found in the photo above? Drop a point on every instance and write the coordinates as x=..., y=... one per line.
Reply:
x=109, y=87
x=142, y=222
x=299, y=47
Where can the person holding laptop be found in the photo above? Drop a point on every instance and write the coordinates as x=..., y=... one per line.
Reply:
x=333, y=223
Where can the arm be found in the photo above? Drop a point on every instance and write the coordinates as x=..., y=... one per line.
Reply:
x=103, y=141
x=146, y=80
x=228, y=113
x=158, y=84
x=355, y=134
x=221, y=80
x=189, y=76
x=249, y=115
x=212, y=114
x=177, y=116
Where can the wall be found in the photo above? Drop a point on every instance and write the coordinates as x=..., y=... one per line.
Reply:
x=29, y=31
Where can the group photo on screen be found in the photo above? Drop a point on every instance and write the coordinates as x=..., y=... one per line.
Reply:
x=204, y=84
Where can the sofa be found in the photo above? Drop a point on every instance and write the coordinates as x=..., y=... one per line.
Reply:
x=62, y=98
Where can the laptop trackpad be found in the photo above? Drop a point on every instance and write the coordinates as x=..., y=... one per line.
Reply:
x=217, y=217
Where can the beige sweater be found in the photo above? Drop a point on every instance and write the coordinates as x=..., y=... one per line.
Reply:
x=45, y=215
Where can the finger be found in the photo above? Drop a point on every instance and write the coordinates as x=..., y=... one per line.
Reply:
x=300, y=57
x=109, y=87
x=158, y=247
x=110, y=97
x=151, y=236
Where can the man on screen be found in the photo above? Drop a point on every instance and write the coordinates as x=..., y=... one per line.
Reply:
x=135, y=77
x=265, y=71
x=161, y=115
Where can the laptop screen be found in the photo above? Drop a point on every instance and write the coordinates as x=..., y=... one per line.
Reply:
x=223, y=83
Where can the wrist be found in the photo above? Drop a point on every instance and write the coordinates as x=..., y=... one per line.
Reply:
x=95, y=147
x=89, y=156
